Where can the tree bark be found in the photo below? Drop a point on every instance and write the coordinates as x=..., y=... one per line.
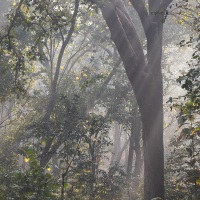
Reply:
x=146, y=80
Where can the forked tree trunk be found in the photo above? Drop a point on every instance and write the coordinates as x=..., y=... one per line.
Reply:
x=146, y=80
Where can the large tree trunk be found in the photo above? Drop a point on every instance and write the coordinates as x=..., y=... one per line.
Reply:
x=152, y=116
x=146, y=80
x=152, y=121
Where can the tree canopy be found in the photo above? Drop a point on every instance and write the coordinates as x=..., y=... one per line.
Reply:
x=81, y=93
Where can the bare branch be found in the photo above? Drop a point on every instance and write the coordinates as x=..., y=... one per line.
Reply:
x=142, y=12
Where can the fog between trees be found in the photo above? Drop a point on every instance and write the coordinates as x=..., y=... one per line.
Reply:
x=89, y=92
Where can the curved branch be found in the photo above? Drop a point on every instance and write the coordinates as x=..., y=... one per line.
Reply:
x=132, y=37
x=69, y=60
x=143, y=14
x=57, y=72
x=46, y=154
x=127, y=42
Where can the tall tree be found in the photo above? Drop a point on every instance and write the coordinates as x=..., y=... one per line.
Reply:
x=145, y=78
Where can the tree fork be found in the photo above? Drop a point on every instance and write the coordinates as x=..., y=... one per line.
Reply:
x=146, y=80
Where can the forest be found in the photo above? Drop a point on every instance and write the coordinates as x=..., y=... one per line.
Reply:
x=99, y=100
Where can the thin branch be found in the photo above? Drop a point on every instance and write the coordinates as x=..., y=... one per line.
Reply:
x=61, y=33
x=100, y=92
x=13, y=20
x=69, y=60
x=52, y=97
x=75, y=61
x=60, y=56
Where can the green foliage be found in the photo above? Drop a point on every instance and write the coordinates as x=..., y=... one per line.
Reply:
x=184, y=161
x=84, y=143
x=31, y=24
x=182, y=172
x=77, y=130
